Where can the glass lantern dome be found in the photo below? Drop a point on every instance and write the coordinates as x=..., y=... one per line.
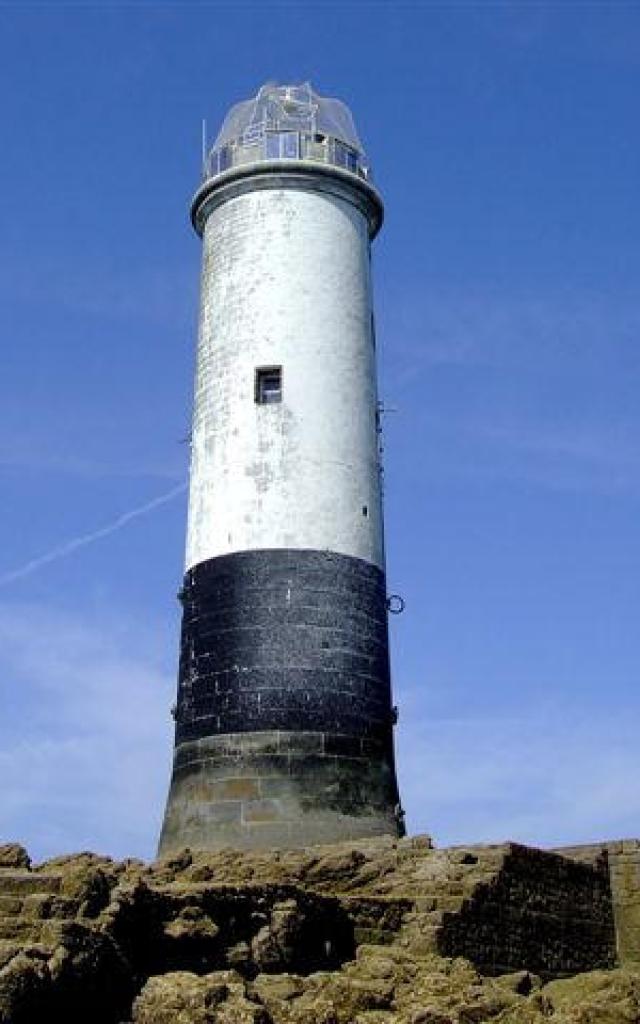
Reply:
x=287, y=122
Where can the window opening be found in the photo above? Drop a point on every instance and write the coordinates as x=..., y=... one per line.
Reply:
x=283, y=145
x=289, y=145
x=273, y=145
x=268, y=385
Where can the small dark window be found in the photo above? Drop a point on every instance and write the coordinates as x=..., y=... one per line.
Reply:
x=365, y=510
x=268, y=386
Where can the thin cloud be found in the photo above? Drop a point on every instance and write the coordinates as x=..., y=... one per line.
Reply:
x=70, y=546
x=157, y=295
x=16, y=457
x=562, y=456
x=552, y=332
x=528, y=368
x=85, y=737
x=544, y=776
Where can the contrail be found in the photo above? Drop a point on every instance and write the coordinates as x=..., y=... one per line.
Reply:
x=62, y=550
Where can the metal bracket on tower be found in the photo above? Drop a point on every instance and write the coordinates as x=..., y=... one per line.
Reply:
x=395, y=604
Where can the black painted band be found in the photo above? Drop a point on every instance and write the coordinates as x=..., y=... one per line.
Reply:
x=282, y=639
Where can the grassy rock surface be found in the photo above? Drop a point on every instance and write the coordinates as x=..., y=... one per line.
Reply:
x=367, y=932
x=389, y=987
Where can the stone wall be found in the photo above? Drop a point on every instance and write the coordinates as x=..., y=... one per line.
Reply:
x=623, y=856
x=540, y=910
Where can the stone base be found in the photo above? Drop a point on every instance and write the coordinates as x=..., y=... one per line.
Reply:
x=279, y=790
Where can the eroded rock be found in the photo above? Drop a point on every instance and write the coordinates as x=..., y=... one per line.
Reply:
x=12, y=855
x=369, y=932
x=24, y=987
x=186, y=998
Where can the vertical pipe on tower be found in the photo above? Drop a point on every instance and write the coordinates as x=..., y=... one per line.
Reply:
x=284, y=716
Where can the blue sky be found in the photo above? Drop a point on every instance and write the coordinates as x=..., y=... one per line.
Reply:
x=504, y=140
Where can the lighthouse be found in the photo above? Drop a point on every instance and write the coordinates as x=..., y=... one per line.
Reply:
x=284, y=717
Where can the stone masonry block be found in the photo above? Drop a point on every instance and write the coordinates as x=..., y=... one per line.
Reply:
x=235, y=789
x=257, y=811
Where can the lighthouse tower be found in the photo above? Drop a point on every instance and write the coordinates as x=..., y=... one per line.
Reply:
x=284, y=719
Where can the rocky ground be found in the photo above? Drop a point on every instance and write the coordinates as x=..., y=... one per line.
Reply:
x=349, y=934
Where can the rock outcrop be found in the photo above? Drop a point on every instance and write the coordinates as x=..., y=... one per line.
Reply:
x=371, y=932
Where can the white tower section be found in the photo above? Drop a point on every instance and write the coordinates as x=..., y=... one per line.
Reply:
x=286, y=283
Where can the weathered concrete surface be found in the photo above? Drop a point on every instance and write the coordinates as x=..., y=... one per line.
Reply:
x=286, y=282
x=372, y=932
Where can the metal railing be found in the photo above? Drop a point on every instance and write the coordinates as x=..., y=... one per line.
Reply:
x=258, y=143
